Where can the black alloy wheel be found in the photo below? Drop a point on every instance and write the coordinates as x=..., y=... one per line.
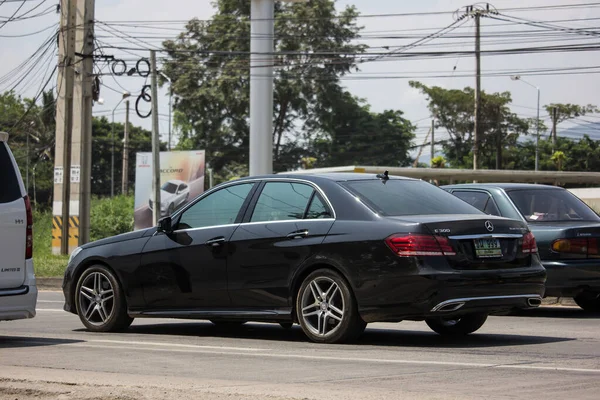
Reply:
x=588, y=301
x=326, y=308
x=100, y=301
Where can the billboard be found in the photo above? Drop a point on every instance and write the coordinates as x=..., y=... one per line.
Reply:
x=181, y=180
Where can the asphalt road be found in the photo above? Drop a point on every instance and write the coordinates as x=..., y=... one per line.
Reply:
x=552, y=352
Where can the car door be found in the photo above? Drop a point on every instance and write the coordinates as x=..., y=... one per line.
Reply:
x=282, y=228
x=479, y=199
x=180, y=195
x=187, y=269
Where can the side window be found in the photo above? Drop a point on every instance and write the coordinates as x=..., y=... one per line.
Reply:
x=219, y=208
x=318, y=209
x=9, y=182
x=480, y=200
x=491, y=208
x=281, y=201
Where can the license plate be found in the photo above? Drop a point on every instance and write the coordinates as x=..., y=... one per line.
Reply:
x=487, y=248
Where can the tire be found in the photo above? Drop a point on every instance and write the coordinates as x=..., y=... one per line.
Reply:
x=460, y=326
x=171, y=209
x=337, y=310
x=286, y=325
x=227, y=323
x=100, y=301
x=588, y=301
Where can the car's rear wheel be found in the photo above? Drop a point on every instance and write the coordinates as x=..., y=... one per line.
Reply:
x=100, y=301
x=171, y=209
x=457, y=326
x=589, y=301
x=326, y=308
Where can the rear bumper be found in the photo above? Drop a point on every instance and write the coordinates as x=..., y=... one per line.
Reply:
x=449, y=295
x=569, y=278
x=19, y=303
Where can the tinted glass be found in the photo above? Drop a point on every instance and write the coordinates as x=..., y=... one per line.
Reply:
x=219, y=208
x=480, y=200
x=169, y=187
x=407, y=197
x=281, y=201
x=9, y=183
x=551, y=205
x=318, y=209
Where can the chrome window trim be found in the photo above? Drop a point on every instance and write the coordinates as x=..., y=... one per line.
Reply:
x=487, y=236
x=288, y=220
x=205, y=227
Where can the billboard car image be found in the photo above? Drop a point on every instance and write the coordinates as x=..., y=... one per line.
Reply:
x=181, y=179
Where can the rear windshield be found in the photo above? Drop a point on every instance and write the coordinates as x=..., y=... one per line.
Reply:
x=551, y=205
x=407, y=197
x=9, y=183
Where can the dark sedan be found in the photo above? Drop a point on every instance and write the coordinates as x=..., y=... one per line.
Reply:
x=330, y=252
x=566, y=229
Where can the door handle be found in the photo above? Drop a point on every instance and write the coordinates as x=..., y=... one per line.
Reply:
x=215, y=242
x=298, y=234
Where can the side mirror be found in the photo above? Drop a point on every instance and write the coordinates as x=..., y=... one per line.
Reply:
x=164, y=225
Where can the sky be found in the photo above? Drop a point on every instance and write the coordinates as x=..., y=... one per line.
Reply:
x=390, y=90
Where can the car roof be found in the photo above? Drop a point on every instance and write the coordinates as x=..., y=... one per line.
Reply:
x=333, y=176
x=505, y=186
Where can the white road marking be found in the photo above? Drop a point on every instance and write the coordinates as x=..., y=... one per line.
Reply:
x=50, y=301
x=51, y=309
x=341, y=359
x=190, y=346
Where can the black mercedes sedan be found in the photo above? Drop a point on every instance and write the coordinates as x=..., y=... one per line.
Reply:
x=566, y=229
x=331, y=252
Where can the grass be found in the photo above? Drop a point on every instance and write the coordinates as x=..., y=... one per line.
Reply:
x=45, y=263
x=109, y=217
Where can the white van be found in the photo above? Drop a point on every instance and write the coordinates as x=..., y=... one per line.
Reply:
x=18, y=291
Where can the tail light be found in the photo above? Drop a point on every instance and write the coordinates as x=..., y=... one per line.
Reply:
x=29, y=232
x=580, y=246
x=529, y=244
x=420, y=245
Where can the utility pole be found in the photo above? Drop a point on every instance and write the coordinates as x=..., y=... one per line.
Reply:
x=477, y=11
x=155, y=142
x=81, y=158
x=499, y=141
x=64, y=127
x=125, y=169
x=554, y=123
x=477, y=120
x=432, y=141
x=262, y=29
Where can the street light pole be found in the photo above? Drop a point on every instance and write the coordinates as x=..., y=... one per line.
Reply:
x=537, y=121
x=112, y=153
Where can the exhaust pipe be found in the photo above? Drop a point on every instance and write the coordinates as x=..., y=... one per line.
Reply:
x=534, y=301
x=450, y=307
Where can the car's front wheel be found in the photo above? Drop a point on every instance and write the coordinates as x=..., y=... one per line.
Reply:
x=100, y=301
x=588, y=301
x=457, y=326
x=326, y=308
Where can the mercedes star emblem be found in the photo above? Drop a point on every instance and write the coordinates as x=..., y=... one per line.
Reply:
x=489, y=226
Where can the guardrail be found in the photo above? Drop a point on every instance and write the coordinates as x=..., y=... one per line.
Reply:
x=481, y=175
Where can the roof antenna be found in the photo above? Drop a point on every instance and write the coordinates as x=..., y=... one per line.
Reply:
x=385, y=176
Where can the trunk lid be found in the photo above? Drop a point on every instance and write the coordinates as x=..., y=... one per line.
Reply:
x=548, y=232
x=479, y=241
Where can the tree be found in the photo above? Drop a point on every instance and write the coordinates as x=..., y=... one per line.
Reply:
x=569, y=111
x=353, y=134
x=559, y=158
x=453, y=109
x=209, y=67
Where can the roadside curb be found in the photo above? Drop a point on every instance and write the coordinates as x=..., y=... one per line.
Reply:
x=56, y=284
x=44, y=283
